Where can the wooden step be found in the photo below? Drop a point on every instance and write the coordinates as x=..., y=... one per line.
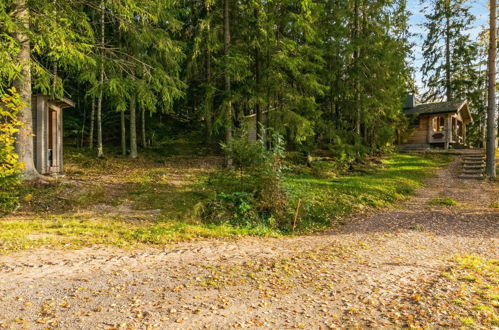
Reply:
x=472, y=172
x=473, y=162
x=471, y=176
x=474, y=168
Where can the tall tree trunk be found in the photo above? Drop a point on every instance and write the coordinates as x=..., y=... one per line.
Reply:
x=228, y=116
x=208, y=69
x=83, y=124
x=100, y=148
x=143, y=127
x=356, y=56
x=24, y=140
x=491, y=111
x=259, y=119
x=92, y=121
x=448, y=87
x=133, y=127
x=123, y=133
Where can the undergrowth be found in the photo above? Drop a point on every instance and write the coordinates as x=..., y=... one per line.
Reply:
x=157, y=200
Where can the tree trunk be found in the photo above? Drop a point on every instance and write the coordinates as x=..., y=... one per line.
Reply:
x=356, y=56
x=92, y=121
x=259, y=119
x=491, y=111
x=100, y=149
x=143, y=128
x=228, y=118
x=133, y=127
x=448, y=88
x=83, y=124
x=123, y=133
x=24, y=140
x=209, y=101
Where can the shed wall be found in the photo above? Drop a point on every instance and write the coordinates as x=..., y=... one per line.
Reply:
x=420, y=132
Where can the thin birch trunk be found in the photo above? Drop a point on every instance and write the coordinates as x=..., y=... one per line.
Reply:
x=143, y=128
x=123, y=133
x=133, y=127
x=100, y=149
x=83, y=125
x=92, y=121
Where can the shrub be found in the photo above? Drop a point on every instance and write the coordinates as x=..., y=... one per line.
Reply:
x=10, y=104
x=252, y=194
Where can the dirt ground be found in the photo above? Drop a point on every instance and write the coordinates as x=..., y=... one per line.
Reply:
x=381, y=269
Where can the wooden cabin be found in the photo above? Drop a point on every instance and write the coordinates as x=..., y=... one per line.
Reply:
x=441, y=124
x=48, y=133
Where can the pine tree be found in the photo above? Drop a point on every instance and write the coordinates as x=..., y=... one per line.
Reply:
x=448, y=51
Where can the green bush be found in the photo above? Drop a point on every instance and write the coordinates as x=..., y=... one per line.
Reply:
x=10, y=104
x=252, y=193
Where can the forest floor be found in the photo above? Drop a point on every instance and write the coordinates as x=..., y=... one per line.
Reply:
x=158, y=200
x=431, y=262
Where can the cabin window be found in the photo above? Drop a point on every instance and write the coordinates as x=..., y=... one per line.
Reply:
x=415, y=122
x=438, y=124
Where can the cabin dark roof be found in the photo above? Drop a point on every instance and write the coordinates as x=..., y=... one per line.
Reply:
x=434, y=108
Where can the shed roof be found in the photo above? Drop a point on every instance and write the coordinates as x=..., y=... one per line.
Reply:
x=441, y=107
x=61, y=103
x=434, y=108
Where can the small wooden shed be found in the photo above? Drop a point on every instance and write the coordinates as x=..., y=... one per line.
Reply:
x=48, y=133
x=441, y=124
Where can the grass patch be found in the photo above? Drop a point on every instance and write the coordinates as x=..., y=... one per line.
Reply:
x=325, y=201
x=70, y=213
x=477, y=300
x=79, y=231
x=443, y=201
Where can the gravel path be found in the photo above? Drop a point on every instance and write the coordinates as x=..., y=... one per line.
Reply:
x=361, y=276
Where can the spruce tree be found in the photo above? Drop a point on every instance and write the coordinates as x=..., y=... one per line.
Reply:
x=447, y=49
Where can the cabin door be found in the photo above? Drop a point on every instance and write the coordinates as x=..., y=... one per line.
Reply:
x=52, y=139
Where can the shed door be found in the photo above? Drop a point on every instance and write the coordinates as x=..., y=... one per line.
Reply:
x=52, y=137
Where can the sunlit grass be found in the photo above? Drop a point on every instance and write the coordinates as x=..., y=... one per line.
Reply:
x=478, y=280
x=82, y=230
x=326, y=200
x=71, y=216
x=443, y=201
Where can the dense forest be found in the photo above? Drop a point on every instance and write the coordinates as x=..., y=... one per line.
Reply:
x=314, y=74
x=331, y=74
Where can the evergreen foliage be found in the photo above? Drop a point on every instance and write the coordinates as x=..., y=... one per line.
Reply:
x=323, y=74
x=454, y=65
x=449, y=53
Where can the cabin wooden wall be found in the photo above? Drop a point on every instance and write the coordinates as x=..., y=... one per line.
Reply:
x=420, y=131
x=41, y=105
x=40, y=131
